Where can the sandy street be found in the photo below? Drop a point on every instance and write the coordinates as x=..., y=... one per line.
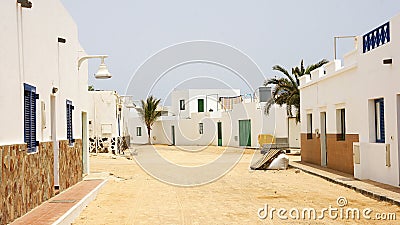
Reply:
x=131, y=196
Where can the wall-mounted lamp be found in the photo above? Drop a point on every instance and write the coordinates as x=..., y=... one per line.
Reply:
x=25, y=3
x=103, y=72
x=387, y=61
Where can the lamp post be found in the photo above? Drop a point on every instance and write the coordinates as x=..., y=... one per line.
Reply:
x=103, y=72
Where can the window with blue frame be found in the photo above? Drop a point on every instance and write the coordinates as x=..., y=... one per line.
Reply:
x=30, y=97
x=379, y=120
x=70, y=137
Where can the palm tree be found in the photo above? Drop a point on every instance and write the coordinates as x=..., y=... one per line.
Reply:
x=286, y=90
x=149, y=114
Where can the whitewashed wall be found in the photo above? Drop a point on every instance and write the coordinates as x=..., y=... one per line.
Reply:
x=191, y=96
x=187, y=130
x=30, y=53
x=103, y=113
x=354, y=86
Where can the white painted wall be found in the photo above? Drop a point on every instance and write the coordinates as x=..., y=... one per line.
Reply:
x=187, y=126
x=30, y=53
x=103, y=114
x=191, y=97
x=363, y=78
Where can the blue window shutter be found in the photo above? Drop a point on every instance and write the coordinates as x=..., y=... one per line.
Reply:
x=382, y=120
x=27, y=118
x=69, y=108
x=30, y=97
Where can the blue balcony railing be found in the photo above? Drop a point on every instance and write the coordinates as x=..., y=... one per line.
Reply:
x=376, y=38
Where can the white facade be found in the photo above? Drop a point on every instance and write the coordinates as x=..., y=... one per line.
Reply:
x=355, y=86
x=184, y=124
x=30, y=53
x=190, y=98
x=107, y=121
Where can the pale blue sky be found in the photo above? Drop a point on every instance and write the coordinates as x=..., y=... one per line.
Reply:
x=270, y=32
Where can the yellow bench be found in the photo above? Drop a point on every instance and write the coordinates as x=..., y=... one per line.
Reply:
x=265, y=139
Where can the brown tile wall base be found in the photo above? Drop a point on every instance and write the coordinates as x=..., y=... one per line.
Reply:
x=311, y=149
x=340, y=153
x=70, y=163
x=26, y=180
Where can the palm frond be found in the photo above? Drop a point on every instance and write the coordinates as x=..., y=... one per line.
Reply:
x=315, y=66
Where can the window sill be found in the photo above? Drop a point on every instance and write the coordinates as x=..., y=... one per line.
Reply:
x=34, y=152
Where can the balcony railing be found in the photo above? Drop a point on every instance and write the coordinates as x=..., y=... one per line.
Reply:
x=376, y=38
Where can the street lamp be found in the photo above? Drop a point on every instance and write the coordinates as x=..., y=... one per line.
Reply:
x=103, y=72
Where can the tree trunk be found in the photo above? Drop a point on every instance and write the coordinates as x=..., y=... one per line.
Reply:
x=148, y=134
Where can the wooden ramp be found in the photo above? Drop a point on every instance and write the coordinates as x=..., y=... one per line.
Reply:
x=265, y=161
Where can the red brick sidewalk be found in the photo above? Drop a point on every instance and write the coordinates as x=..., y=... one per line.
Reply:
x=51, y=210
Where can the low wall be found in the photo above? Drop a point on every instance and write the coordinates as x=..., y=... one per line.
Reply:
x=70, y=163
x=113, y=145
x=26, y=180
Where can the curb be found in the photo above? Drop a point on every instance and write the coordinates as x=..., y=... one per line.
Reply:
x=75, y=211
x=357, y=189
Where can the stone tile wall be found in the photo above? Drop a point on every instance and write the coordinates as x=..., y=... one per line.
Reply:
x=114, y=145
x=26, y=180
x=70, y=163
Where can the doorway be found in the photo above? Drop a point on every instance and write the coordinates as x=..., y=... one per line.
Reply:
x=244, y=132
x=200, y=105
x=173, y=134
x=219, y=125
x=53, y=121
x=85, y=146
x=324, y=151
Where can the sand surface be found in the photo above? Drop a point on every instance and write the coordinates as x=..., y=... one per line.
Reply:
x=131, y=196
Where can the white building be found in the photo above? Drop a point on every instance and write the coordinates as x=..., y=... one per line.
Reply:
x=43, y=99
x=352, y=108
x=220, y=117
x=108, y=130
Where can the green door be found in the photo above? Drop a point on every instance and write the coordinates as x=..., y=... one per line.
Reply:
x=219, y=124
x=200, y=105
x=245, y=132
x=173, y=134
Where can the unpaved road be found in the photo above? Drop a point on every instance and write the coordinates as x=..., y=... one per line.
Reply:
x=133, y=197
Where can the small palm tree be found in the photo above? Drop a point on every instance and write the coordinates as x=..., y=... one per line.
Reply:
x=149, y=114
x=286, y=90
